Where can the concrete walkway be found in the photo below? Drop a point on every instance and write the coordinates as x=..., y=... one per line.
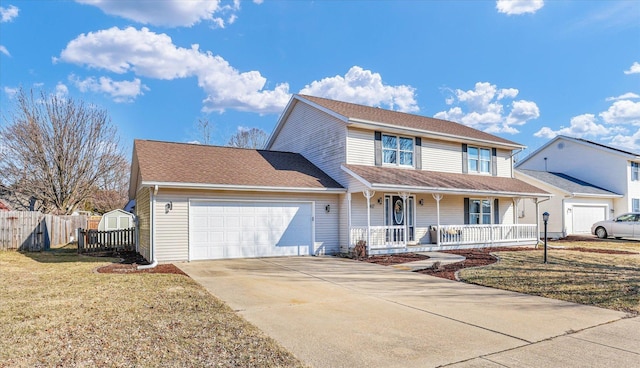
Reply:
x=443, y=258
x=333, y=312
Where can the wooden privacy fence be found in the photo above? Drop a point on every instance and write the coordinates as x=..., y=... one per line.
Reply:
x=99, y=241
x=35, y=231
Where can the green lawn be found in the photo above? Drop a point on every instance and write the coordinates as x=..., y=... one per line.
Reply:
x=605, y=280
x=56, y=311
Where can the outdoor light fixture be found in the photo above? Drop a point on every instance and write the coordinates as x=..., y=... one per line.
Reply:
x=421, y=202
x=168, y=207
x=545, y=218
x=380, y=200
x=327, y=208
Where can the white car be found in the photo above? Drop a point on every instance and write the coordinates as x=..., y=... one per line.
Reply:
x=623, y=226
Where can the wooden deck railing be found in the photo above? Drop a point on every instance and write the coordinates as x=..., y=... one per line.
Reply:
x=100, y=241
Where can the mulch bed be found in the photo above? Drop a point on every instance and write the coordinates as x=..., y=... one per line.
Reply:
x=393, y=259
x=129, y=264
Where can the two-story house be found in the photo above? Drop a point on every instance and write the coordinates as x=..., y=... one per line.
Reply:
x=333, y=174
x=590, y=182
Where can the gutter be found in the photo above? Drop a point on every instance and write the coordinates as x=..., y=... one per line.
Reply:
x=152, y=246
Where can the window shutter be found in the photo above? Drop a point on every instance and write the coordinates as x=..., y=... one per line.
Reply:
x=494, y=162
x=466, y=209
x=377, y=145
x=465, y=168
x=496, y=211
x=417, y=153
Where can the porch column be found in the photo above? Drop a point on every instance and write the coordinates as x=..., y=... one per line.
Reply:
x=404, y=196
x=437, y=197
x=368, y=195
x=492, y=222
x=349, y=224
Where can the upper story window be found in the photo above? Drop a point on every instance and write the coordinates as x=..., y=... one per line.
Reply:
x=635, y=204
x=397, y=150
x=635, y=169
x=479, y=159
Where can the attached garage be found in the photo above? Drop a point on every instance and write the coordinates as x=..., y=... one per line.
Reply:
x=239, y=229
x=198, y=202
x=585, y=216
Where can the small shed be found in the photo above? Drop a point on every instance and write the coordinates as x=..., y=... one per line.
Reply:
x=116, y=220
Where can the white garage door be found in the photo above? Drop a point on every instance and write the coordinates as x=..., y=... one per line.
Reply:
x=585, y=216
x=224, y=229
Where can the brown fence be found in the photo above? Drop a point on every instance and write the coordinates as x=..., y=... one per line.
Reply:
x=99, y=241
x=35, y=231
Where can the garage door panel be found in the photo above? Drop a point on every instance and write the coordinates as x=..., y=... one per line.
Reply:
x=585, y=216
x=245, y=229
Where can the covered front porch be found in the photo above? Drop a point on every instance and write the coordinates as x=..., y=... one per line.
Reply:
x=391, y=218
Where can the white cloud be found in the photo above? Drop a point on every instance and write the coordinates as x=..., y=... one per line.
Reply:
x=169, y=13
x=631, y=142
x=581, y=126
x=8, y=14
x=62, y=91
x=622, y=112
x=516, y=7
x=634, y=69
x=626, y=96
x=258, y=1
x=364, y=87
x=120, y=91
x=4, y=50
x=152, y=55
x=485, y=109
x=11, y=92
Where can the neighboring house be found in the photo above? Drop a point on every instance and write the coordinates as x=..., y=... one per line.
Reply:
x=4, y=207
x=574, y=207
x=334, y=174
x=116, y=220
x=611, y=173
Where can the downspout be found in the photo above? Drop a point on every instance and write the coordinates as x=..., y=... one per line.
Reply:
x=538, y=216
x=564, y=212
x=152, y=246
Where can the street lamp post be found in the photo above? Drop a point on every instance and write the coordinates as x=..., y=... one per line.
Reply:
x=545, y=218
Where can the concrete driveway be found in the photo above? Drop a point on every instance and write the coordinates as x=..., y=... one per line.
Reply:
x=333, y=312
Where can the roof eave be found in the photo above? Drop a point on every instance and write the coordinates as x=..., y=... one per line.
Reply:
x=361, y=123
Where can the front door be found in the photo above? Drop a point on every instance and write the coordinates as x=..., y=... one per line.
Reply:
x=397, y=215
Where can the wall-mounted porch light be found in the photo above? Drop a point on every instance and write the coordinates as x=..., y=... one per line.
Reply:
x=327, y=208
x=421, y=201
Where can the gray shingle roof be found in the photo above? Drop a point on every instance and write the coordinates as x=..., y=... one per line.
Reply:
x=168, y=162
x=567, y=183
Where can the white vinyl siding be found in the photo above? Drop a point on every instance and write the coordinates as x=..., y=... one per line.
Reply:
x=318, y=136
x=441, y=156
x=172, y=227
x=143, y=213
x=505, y=163
x=360, y=147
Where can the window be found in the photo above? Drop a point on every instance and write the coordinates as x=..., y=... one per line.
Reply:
x=479, y=159
x=479, y=211
x=397, y=150
x=635, y=205
x=635, y=169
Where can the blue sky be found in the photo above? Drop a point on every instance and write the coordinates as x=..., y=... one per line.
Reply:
x=524, y=70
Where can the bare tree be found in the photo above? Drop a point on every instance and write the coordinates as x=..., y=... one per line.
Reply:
x=251, y=138
x=204, y=127
x=111, y=190
x=56, y=150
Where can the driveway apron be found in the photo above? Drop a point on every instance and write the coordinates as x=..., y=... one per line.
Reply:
x=333, y=312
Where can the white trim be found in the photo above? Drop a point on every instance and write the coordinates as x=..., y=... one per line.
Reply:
x=243, y=188
x=312, y=246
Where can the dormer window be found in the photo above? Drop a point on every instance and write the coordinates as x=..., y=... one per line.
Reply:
x=397, y=150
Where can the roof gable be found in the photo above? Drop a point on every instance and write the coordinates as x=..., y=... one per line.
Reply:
x=584, y=143
x=375, y=115
x=183, y=164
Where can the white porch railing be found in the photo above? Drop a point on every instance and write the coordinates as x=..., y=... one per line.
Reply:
x=450, y=235
x=381, y=236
